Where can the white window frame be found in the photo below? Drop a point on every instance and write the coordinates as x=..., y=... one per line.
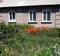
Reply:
x=32, y=16
x=46, y=16
x=13, y=20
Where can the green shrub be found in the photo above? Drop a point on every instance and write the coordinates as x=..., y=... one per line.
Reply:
x=10, y=30
x=2, y=27
x=49, y=33
x=20, y=43
x=58, y=32
x=1, y=50
x=24, y=26
x=53, y=33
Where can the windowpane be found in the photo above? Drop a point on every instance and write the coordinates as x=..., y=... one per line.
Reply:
x=48, y=15
x=34, y=16
x=30, y=16
x=10, y=16
x=13, y=15
x=44, y=15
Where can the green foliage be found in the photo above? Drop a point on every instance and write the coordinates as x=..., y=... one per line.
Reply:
x=19, y=43
x=24, y=26
x=2, y=29
x=55, y=32
x=29, y=45
x=1, y=50
x=10, y=30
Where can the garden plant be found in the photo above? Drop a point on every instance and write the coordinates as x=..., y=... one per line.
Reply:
x=27, y=40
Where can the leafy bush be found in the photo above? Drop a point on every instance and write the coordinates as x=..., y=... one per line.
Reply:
x=10, y=30
x=32, y=30
x=27, y=40
x=2, y=29
x=24, y=26
x=1, y=50
x=52, y=32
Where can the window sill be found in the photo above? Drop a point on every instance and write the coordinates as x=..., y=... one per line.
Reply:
x=12, y=21
x=46, y=22
x=32, y=22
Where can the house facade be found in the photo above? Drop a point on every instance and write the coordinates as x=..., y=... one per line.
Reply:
x=37, y=13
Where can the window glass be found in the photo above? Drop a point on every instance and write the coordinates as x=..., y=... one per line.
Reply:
x=44, y=15
x=10, y=16
x=30, y=16
x=48, y=15
x=13, y=15
x=34, y=16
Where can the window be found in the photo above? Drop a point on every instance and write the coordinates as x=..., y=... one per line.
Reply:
x=12, y=16
x=32, y=16
x=46, y=16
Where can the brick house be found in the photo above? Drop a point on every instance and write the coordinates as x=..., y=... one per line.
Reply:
x=35, y=12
